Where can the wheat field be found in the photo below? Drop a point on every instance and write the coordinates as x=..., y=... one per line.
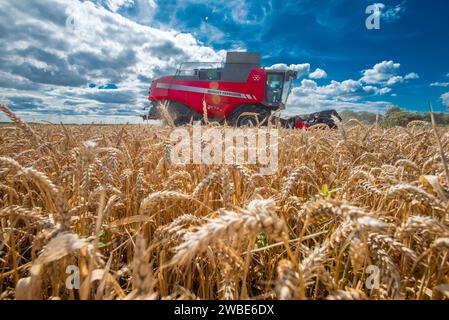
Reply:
x=355, y=213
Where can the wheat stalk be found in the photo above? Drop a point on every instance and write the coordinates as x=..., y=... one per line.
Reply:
x=21, y=124
x=339, y=202
x=259, y=216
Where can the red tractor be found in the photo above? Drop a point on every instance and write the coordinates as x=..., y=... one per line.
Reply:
x=238, y=91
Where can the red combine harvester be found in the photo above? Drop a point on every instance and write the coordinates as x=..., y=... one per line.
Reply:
x=238, y=91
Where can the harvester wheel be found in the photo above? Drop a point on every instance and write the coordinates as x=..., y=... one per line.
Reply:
x=249, y=115
x=180, y=113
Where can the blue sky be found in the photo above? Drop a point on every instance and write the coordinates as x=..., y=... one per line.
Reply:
x=93, y=60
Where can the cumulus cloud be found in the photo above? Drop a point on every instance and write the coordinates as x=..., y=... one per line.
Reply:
x=350, y=94
x=445, y=99
x=393, y=13
x=312, y=103
x=241, y=12
x=381, y=73
x=388, y=13
x=142, y=11
x=318, y=74
x=411, y=76
x=8, y=80
x=302, y=69
x=395, y=79
x=51, y=50
x=347, y=90
x=115, y=5
x=386, y=73
x=384, y=91
x=209, y=31
x=375, y=82
x=347, y=94
x=440, y=84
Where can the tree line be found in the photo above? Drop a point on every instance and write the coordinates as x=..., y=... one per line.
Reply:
x=394, y=116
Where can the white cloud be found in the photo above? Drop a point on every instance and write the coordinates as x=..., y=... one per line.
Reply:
x=393, y=13
x=440, y=84
x=411, y=76
x=115, y=5
x=394, y=80
x=348, y=94
x=384, y=90
x=318, y=74
x=445, y=99
x=52, y=49
x=386, y=73
x=347, y=90
x=246, y=12
x=243, y=12
x=313, y=103
x=144, y=11
x=47, y=60
x=212, y=33
x=308, y=84
x=302, y=69
x=389, y=13
x=381, y=72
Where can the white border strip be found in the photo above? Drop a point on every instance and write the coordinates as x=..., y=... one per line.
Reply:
x=204, y=90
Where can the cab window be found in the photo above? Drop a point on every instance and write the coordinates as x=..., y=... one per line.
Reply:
x=274, y=86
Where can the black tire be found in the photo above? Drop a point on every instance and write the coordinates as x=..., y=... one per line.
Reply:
x=325, y=117
x=180, y=113
x=249, y=116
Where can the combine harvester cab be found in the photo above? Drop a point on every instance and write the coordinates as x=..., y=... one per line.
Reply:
x=238, y=91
